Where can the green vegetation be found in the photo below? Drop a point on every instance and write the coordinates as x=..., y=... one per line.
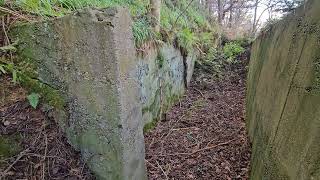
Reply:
x=23, y=73
x=180, y=20
x=231, y=50
x=216, y=59
x=9, y=146
x=33, y=99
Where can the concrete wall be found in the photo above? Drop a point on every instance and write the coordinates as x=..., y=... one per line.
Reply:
x=89, y=58
x=163, y=77
x=101, y=86
x=283, y=98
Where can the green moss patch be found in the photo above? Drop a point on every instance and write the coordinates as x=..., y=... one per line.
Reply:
x=9, y=145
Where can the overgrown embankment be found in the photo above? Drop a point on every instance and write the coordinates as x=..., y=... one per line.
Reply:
x=283, y=98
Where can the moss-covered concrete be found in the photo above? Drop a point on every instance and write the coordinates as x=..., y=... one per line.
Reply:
x=87, y=67
x=283, y=98
x=84, y=65
x=162, y=81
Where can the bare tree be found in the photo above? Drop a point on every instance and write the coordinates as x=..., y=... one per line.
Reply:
x=219, y=12
x=254, y=24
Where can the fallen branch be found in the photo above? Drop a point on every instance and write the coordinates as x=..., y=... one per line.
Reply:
x=162, y=170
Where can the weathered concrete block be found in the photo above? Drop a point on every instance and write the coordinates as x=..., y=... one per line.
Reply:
x=283, y=98
x=163, y=75
x=89, y=56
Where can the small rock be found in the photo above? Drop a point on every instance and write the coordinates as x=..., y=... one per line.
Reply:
x=6, y=123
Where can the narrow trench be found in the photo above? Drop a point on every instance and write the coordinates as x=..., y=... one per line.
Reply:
x=203, y=136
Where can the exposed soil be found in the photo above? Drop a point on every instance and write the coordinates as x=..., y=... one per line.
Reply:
x=203, y=136
x=41, y=149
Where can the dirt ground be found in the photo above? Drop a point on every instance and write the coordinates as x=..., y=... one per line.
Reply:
x=203, y=136
x=39, y=149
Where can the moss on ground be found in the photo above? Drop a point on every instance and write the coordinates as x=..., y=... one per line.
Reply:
x=9, y=146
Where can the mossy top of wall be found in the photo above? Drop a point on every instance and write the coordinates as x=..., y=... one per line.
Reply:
x=190, y=29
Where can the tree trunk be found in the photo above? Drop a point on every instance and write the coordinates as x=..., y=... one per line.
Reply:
x=230, y=17
x=254, y=24
x=219, y=12
x=207, y=3
x=155, y=13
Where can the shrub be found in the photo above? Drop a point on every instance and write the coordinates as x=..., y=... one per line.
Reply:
x=231, y=50
x=142, y=31
x=187, y=39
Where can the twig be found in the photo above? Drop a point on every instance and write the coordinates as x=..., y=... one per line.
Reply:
x=151, y=144
x=44, y=157
x=6, y=35
x=5, y=31
x=170, y=130
x=194, y=128
x=41, y=156
x=46, y=148
x=211, y=142
x=23, y=153
x=200, y=92
x=211, y=147
x=151, y=164
x=2, y=9
x=162, y=170
x=199, y=49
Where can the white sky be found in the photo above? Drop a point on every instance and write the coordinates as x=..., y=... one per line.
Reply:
x=265, y=15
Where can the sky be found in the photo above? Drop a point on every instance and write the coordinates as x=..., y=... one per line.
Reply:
x=265, y=14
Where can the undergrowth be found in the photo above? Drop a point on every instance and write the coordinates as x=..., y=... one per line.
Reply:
x=231, y=50
x=217, y=58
